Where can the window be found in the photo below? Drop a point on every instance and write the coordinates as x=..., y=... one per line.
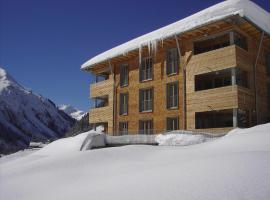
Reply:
x=123, y=75
x=240, y=40
x=123, y=128
x=172, y=123
x=146, y=127
x=123, y=104
x=242, y=78
x=219, y=41
x=212, y=80
x=268, y=94
x=242, y=118
x=268, y=63
x=146, y=69
x=172, y=95
x=101, y=77
x=101, y=101
x=146, y=100
x=221, y=78
x=214, y=119
x=172, y=61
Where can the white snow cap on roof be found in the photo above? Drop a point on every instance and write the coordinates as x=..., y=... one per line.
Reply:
x=244, y=8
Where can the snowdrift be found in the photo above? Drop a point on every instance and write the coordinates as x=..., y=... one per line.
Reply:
x=233, y=167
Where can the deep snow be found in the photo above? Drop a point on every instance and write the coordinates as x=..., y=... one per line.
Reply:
x=235, y=166
x=244, y=8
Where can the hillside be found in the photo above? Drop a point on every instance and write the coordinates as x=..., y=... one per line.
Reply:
x=26, y=116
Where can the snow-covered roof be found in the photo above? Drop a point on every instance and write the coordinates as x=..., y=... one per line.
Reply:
x=243, y=8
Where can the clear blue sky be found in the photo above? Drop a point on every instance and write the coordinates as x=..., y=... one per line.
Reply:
x=44, y=42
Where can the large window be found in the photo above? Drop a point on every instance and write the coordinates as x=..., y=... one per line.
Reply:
x=123, y=75
x=172, y=95
x=101, y=77
x=242, y=118
x=123, y=104
x=172, y=123
x=219, y=41
x=172, y=61
x=213, y=80
x=214, y=119
x=123, y=128
x=146, y=69
x=268, y=94
x=101, y=101
x=268, y=64
x=221, y=78
x=146, y=127
x=146, y=100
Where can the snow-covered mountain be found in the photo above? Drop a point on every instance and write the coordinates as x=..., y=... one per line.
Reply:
x=26, y=116
x=72, y=112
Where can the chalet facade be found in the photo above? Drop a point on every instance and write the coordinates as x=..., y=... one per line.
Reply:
x=212, y=76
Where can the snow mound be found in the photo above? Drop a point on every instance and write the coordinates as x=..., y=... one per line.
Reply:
x=244, y=8
x=175, y=139
x=73, y=144
x=232, y=167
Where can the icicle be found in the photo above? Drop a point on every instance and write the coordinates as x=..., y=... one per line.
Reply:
x=140, y=54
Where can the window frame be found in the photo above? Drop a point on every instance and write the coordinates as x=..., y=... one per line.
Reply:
x=143, y=64
x=124, y=78
x=168, y=104
x=151, y=99
x=172, y=118
x=175, y=62
x=146, y=131
x=121, y=128
x=122, y=97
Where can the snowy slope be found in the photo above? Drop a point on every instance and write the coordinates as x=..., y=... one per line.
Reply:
x=25, y=115
x=72, y=112
x=233, y=167
x=244, y=8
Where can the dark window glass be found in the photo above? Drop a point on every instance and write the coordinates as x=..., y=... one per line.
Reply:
x=101, y=77
x=123, y=128
x=219, y=41
x=123, y=104
x=124, y=75
x=242, y=118
x=101, y=102
x=268, y=94
x=172, y=95
x=146, y=69
x=241, y=78
x=172, y=61
x=240, y=40
x=268, y=64
x=146, y=127
x=172, y=123
x=146, y=100
x=212, y=80
x=214, y=119
x=211, y=43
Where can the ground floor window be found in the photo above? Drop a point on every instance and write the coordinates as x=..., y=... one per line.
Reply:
x=214, y=119
x=172, y=123
x=123, y=128
x=146, y=127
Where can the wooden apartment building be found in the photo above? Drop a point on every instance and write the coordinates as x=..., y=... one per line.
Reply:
x=212, y=75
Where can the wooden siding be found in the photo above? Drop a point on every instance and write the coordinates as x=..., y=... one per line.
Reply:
x=103, y=114
x=217, y=98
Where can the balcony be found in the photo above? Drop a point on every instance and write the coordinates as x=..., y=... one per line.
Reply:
x=101, y=88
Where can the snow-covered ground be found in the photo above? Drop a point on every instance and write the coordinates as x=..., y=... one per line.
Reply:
x=235, y=166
